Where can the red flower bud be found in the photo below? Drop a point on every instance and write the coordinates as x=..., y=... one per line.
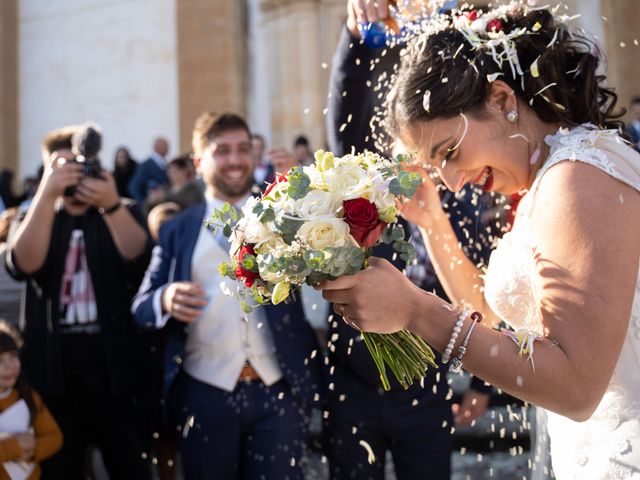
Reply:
x=495, y=25
x=472, y=15
x=364, y=223
x=241, y=273
x=280, y=179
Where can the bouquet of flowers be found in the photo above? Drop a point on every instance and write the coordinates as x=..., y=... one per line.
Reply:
x=320, y=222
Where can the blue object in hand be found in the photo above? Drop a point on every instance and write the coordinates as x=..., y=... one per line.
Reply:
x=374, y=34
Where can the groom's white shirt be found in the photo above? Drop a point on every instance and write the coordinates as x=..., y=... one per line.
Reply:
x=223, y=338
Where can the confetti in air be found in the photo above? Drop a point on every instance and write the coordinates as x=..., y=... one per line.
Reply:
x=426, y=101
x=371, y=458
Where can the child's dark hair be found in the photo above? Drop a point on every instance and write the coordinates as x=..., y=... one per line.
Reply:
x=564, y=88
x=10, y=341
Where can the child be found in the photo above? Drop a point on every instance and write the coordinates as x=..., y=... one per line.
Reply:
x=28, y=432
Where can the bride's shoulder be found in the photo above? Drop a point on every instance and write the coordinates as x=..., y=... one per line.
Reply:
x=587, y=145
x=583, y=197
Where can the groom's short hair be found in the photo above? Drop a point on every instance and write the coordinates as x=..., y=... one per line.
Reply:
x=209, y=125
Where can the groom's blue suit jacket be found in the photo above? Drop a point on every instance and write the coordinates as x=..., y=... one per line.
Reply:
x=293, y=336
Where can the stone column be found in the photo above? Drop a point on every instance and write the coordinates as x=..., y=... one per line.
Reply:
x=9, y=85
x=301, y=35
x=211, y=60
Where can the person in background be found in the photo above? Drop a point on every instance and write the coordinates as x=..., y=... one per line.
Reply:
x=263, y=172
x=10, y=290
x=185, y=190
x=240, y=386
x=124, y=168
x=30, y=187
x=82, y=251
x=634, y=126
x=151, y=175
x=414, y=425
x=7, y=197
x=159, y=215
x=302, y=150
x=30, y=434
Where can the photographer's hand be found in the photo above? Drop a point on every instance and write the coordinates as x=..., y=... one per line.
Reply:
x=129, y=237
x=99, y=193
x=59, y=175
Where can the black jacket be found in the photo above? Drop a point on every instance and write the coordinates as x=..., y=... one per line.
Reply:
x=115, y=281
x=351, y=105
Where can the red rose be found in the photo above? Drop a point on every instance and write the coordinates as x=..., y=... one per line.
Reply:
x=364, y=224
x=472, y=15
x=280, y=179
x=241, y=272
x=494, y=25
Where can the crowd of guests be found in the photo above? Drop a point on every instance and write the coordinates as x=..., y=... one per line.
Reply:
x=134, y=349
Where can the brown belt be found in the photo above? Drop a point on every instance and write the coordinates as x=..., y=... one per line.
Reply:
x=248, y=373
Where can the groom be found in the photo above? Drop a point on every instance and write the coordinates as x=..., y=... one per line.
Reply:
x=239, y=386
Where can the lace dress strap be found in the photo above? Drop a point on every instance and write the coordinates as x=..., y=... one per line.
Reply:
x=604, y=149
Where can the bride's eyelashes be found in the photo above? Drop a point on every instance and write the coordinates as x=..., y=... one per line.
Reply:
x=449, y=154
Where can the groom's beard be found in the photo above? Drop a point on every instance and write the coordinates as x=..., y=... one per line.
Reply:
x=233, y=190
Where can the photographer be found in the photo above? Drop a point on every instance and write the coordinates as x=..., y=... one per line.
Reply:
x=83, y=252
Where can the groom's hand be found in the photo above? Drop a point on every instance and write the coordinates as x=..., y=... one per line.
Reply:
x=364, y=11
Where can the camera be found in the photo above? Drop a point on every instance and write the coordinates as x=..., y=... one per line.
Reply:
x=85, y=144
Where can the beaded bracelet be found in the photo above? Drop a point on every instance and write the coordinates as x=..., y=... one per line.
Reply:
x=456, y=363
x=446, y=355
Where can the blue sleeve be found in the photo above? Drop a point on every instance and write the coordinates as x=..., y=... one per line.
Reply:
x=352, y=100
x=136, y=186
x=156, y=277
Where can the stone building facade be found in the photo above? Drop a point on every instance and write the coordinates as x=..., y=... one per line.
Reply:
x=148, y=67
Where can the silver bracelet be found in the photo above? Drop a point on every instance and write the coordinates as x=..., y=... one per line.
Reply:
x=456, y=364
x=446, y=355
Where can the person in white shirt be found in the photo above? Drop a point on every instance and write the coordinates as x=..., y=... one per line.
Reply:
x=239, y=386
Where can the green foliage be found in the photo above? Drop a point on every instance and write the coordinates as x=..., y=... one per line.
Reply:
x=393, y=233
x=299, y=183
x=226, y=270
x=246, y=308
x=405, y=184
x=249, y=263
x=223, y=217
x=289, y=226
x=342, y=261
x=405, y=250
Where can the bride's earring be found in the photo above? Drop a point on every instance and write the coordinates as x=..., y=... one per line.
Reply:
x=512, y=116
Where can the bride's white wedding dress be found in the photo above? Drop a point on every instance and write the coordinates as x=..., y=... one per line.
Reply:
x=607, y=446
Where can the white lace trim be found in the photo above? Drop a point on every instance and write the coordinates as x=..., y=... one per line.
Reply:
x=580, y=144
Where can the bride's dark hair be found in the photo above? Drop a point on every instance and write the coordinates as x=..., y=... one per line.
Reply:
x=458, y=76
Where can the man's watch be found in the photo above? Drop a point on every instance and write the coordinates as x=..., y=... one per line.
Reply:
x=111, y=209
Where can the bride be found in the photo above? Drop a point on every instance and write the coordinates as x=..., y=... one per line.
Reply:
x=510, y=100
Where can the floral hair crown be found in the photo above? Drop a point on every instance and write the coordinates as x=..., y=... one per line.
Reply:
x=486, y=31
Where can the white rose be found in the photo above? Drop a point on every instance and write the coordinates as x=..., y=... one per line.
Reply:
x=348, y=181
x=479, y=25
x=254, y=230
x=316, y=203
x=315, y=176
x=271, y=244
x=322, y=233
x=383, y=198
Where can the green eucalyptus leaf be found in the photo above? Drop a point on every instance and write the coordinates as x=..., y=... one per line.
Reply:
x=299, y=183
x=267, y=215
x=249, y=263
